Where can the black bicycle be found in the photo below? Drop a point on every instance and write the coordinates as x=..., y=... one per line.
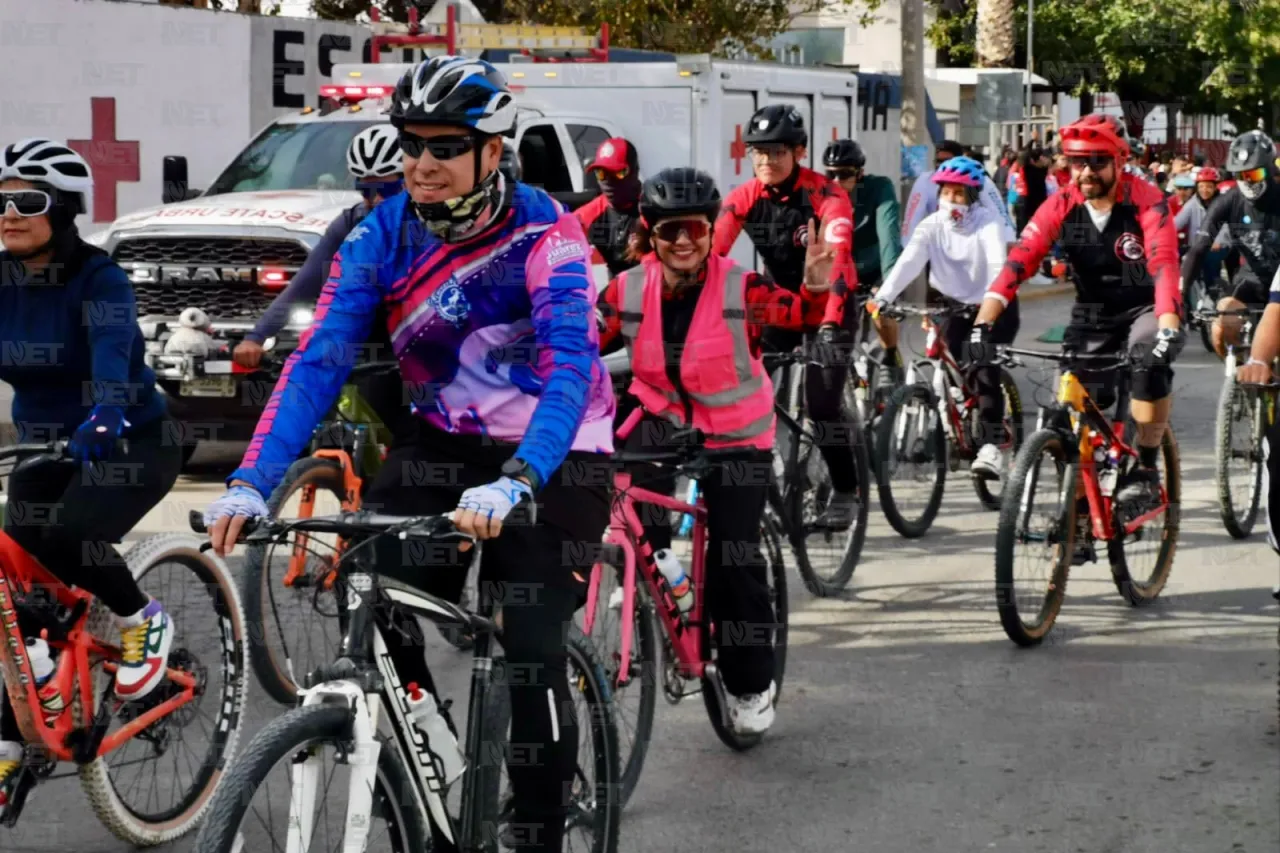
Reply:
x=395, y=743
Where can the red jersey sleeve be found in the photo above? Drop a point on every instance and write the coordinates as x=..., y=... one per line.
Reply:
x=771, y=305
x=1160, y=237
x=1036, y=242
x=609, y=311
x=733, y=214
x=591, y=211
x=835, y=219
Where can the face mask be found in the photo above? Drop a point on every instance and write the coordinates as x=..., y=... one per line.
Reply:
x=457, y=218
x=955, y=213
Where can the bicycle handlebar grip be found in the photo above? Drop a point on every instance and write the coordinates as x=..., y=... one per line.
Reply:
x=196, y=519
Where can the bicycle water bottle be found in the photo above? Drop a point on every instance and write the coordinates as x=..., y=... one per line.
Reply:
x=1108, y=469
x=425, y=714
x=42, y=665
x=681, y=586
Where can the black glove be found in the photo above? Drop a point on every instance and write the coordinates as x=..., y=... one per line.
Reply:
x=830, y=347
x=980, y=350
x=1168, y=344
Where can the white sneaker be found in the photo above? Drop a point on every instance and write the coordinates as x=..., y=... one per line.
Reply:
x=615, y=600
x=752, y=714
x=990, y=463
x=10, y=761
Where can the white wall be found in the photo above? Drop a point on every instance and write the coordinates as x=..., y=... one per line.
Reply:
x=876, y=47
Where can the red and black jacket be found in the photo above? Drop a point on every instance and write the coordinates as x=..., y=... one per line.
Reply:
x=609, y=232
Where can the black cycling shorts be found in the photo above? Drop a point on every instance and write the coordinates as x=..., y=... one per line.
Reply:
x=1134, y=332
x=1250, y=290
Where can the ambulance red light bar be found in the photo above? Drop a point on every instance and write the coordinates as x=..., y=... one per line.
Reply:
x=356, y=92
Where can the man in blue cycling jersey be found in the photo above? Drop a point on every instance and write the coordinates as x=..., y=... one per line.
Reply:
x=490, y=305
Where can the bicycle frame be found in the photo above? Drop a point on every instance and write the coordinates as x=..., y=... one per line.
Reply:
x=20, y=573
x=627, y=533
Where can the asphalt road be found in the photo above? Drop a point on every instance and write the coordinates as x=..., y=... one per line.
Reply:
x=910, y=723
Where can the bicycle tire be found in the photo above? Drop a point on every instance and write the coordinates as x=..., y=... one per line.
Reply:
x=1009, y=390
x=1015, y=627
x=127, y=820
x=1238, y=524
x=1140, y=592
x=793, y=501
x=587, y=675
x=272, y=671
x=643, y=676
x=297, y=730
x=936, y=443
x=771, y=549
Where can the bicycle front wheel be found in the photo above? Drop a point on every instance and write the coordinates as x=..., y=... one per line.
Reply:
x=1035, y=538
x=911, y=450
x=1241, y=423
x=1142, y=560
x=156, y=786
x=259, y=804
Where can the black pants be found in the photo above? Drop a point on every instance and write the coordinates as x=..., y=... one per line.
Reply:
x=70, y=517
x=737, y=585
x=824, y=394
x=986, y=379
x=1271, y=482
x=539, y=573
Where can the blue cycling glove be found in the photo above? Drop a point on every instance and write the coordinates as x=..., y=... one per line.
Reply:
x=236, y=501
x=95, y=439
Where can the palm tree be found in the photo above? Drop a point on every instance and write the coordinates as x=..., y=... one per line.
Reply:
x=995, y=34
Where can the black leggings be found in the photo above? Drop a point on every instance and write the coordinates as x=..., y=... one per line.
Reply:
x=985, y=379
x=1271, y=482
x=737, y=586
x=539, y=573
x=70, y=517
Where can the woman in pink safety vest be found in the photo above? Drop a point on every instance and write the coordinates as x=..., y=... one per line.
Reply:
x=692, y=323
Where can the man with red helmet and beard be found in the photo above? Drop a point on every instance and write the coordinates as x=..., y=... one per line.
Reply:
x=1118, y=236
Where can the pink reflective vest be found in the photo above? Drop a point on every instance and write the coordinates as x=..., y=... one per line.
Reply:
x=728, y=393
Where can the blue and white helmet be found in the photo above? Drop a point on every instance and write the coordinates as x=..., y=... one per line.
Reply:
x=458, y=91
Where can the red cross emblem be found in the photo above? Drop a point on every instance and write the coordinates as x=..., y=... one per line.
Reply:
x=737, y=149
x=111, y=160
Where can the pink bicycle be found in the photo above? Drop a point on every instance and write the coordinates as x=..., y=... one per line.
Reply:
x=625, y=629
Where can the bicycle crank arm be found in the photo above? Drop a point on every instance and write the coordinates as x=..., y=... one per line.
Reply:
x=712, y=673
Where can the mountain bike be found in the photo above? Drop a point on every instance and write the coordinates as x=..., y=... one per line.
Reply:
x=1086, y=452
x=1242, y=420
x=826, y=555
x=932, y=425
x=629, y=630
x=184, y=732
x=354, y=718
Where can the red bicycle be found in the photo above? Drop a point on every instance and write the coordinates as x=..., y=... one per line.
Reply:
x=625, y=630
x=75, y=716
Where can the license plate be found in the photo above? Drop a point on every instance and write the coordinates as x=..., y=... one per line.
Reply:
x=208, y=386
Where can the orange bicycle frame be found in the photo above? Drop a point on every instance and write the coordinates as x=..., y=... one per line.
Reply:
x=351, y=485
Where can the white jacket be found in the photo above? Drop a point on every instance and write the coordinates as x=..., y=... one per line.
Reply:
x=963, y=258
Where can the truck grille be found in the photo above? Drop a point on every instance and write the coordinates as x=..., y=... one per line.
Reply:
x=222, y=300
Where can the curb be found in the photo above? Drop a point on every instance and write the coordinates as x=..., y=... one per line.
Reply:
x=1045, y=292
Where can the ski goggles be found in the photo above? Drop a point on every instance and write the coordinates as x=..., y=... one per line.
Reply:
x=25, y=202
x=669, y=230
x=1096, y=162
x=440, y=147
x=611, y=174
x=379, y=189
x=1253, y=176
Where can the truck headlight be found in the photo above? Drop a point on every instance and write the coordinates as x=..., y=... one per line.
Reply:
x=301, y=317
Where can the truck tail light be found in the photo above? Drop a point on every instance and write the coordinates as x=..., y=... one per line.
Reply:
x=273, y=278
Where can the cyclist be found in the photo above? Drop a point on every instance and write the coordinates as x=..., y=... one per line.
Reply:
x=964, y=245
x=1259, y=369
x=1251, y=214
x=876, y=241
x=374, y=160
x=696, y=360
x=510, y=165
x=610, y=219
x=791, y=213
x=924, y=192
x=68, y=311
x=1118, y=238
x=489, y=302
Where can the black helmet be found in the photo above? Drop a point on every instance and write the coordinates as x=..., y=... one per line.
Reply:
x=844, y=154
x=682, y=191
x=509, y=165
x=1252, y=150
x=777, y=124
x=455, y=90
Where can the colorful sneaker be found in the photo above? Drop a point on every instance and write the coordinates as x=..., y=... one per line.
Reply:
x=10, y=761
x=145, y=638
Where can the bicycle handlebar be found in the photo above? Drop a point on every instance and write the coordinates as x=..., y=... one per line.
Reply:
x=438, y=528
x=56, y=449
x=900, y=312
x=1067, y=356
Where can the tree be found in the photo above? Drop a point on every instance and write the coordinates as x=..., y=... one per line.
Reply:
x=349, y=10
x=1242, y=41
x=996, y=39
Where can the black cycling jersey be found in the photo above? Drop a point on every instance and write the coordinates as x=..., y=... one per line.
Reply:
x=609, y=231
x=1254, y=230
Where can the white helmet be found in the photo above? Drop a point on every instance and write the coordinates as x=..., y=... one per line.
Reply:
x=43, y=161
x=375, y=153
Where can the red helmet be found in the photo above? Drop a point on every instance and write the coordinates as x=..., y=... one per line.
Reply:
x=1095, y=134
x=1208, y=173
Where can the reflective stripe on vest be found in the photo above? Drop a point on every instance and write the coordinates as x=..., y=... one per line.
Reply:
x=751, y=430
x=631, y=313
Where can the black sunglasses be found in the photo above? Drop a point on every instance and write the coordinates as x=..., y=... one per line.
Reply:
x=1096, y=162
x=25, y=202
x=441, y=147
x=842, y=174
